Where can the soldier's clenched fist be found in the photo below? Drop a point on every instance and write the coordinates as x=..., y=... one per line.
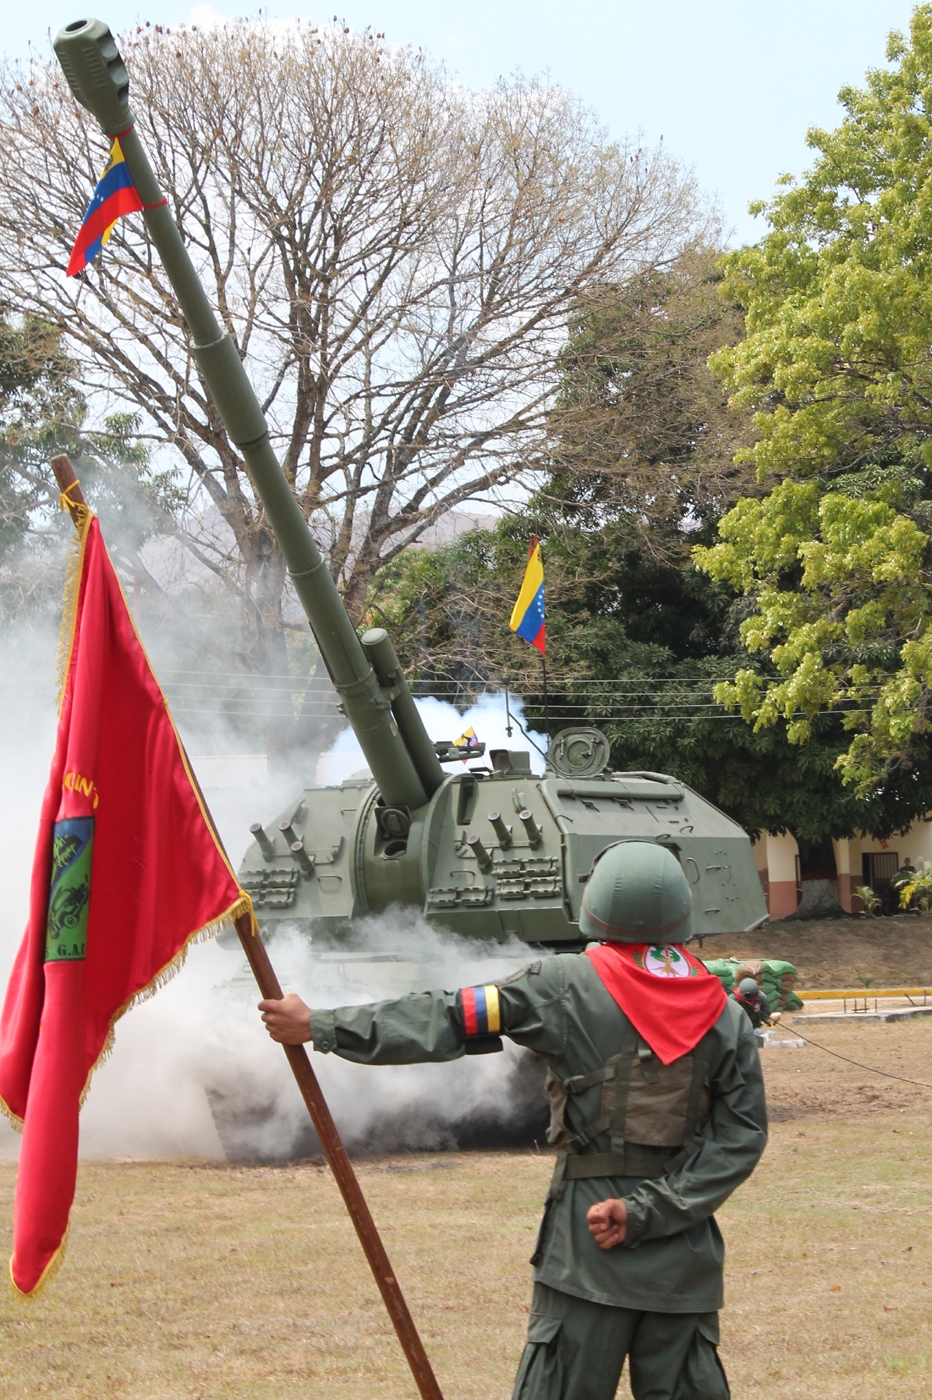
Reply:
x=607, y=1220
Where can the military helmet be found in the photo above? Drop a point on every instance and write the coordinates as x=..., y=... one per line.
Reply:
x=748, y=987
x=637, y=893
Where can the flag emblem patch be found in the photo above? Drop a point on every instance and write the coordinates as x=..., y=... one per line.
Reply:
x=481, y=1010
x=70, y=893
x=663, y=960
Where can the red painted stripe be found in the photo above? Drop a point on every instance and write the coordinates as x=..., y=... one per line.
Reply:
x=540, y=641
x=469, y=1011
x=482, y=1011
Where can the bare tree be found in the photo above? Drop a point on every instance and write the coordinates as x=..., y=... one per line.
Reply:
x=396, y=258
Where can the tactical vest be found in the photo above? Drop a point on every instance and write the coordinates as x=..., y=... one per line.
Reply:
x=652, y=1112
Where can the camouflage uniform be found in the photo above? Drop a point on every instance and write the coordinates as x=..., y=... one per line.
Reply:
x=673, y=1141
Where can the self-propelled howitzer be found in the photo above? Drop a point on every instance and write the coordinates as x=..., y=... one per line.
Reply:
x=490, y=854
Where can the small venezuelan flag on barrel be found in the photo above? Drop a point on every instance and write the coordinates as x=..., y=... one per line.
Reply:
x=467, y=740
x=114, y=196
x=481, y=1010
x=527, y=616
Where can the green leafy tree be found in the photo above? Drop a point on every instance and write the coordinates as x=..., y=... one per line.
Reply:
x=835, y=369
x=635, y=646
x=918, y=889
x=636, y=636
x=640, y=449
x=40, y=412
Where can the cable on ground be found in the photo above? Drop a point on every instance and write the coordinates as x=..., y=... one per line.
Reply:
x=871, y=1069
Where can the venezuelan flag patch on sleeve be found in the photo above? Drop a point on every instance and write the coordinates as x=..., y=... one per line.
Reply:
x=480, y=1009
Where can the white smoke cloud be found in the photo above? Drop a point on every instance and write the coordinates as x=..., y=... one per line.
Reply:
x=198, y=1047
x=414, y=1106
x=487, y=716
x=27, y=722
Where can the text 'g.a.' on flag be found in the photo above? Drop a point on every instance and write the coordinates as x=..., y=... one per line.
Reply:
x=128, y=870
x=114, y=196
x=527, y=615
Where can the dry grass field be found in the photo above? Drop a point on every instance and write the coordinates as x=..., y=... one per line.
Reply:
x=185, y=1279
x=191, y=1280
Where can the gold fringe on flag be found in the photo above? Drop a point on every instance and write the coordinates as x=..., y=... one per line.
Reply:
x=82, y=516
x=45, y=1279
x=15, y=1123
x=69, y=617
x=243, y=905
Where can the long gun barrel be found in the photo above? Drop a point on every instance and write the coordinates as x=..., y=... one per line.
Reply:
x=377, y=701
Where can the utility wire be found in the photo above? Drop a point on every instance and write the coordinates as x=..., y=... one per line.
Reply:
x=871, y=1069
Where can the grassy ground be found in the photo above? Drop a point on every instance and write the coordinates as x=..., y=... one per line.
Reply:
x=889, y=952
x=193, y=1280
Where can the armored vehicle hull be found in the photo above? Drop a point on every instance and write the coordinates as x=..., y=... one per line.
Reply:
x=496, y=855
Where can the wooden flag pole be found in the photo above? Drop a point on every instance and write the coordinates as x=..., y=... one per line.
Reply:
x=330, y=1140
x=342, y=1169
x=70, y=492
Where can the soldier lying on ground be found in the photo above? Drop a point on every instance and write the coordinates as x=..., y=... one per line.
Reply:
x=658, y=1115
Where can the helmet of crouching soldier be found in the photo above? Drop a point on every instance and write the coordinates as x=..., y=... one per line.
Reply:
x=637, y=893
x=749, y=989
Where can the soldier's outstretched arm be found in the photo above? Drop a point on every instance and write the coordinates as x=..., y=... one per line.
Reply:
x=733, y=1141
x=435, y=1025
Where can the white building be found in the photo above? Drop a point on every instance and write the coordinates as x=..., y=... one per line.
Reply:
x=862, y=860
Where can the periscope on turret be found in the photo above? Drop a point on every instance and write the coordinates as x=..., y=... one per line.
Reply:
x=492, y=853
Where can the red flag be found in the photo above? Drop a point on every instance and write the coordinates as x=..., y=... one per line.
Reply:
x=670, y=997
x=127, y=871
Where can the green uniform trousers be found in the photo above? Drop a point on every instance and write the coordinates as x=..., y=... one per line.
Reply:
x=575, y=1351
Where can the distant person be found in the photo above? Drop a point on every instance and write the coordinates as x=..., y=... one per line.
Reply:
x=657, y=1112
x=753, y=1002
x=905, y=875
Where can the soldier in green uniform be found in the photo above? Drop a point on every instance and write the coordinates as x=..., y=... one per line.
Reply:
x=658, y=1115
x=753, y=1002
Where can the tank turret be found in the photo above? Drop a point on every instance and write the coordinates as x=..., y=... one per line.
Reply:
x=490, y=854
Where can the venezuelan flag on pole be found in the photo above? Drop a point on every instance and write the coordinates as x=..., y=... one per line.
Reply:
x=128, y=870
x=114, y=196
x=527, y=616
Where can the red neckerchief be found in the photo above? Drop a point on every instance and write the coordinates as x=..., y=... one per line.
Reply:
x=669, y=997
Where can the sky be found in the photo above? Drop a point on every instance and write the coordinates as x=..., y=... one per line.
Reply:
x=729, y=85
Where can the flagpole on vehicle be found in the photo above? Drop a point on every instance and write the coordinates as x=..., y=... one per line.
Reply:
x=257, y=955
x=543, y=666
x=508, y=729
x=528, y=616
